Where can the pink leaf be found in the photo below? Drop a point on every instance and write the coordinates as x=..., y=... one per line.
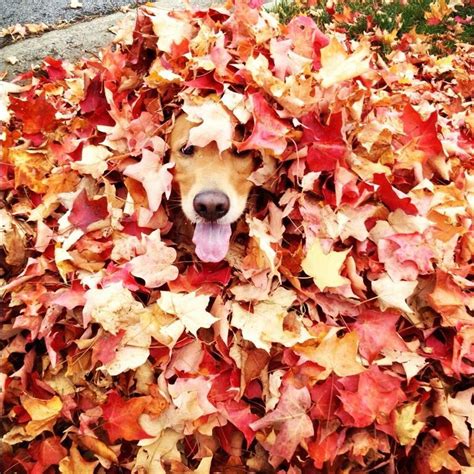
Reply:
x=290, y=420
x=269, y=131
x=86, y=211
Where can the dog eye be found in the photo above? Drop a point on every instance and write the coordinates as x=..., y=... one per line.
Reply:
x=187, y=150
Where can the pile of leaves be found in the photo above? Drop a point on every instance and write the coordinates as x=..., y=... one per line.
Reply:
x=336, y=336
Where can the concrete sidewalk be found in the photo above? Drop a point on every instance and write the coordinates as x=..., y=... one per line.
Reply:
x=69, y=42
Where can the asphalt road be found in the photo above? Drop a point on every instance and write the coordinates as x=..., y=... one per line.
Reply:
x=53, y=12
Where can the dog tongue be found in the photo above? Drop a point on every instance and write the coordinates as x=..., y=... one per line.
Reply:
x=212, y=241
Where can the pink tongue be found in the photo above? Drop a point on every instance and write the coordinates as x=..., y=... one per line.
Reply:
x=212, y=241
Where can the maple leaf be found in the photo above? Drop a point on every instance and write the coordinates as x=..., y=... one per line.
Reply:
x=423, y=133
x=154, y=176
x=239, y=414
x=338, y=355
x=326, y=145
x=97, y=447
x=87, y=211
x=393, y=294
x=48, y=452
x=407, y=427
x=377, y=332
x=215, y=124
x=104, y=350
x=440, y=458
x=458, y=410
x=113, y=307
x=165, y=448
x=36, y=113
x=291, y=421
x=307, y=38
x=93, y=160
x=170, y=29
x=265, y=325
x=269, y=131
x=75, y=463
x=325, y=268
x=155, y=265
x=43, y=415
x=121, y=417
x=189, y=308
x=374, y=397
x=31, y=169
x=392, y=198
x=337, y=65
x=405, y=256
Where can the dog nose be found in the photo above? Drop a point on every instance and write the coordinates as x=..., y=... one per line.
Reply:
x=211, y=204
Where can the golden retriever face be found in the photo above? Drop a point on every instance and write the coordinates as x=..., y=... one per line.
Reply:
x=214, y=188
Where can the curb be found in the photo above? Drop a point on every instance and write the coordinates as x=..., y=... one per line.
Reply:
x=71, y=43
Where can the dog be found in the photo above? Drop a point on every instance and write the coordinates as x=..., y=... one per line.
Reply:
x=213, y=188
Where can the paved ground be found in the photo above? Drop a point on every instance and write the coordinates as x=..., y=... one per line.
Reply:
x=53, y=12
x=85, y=37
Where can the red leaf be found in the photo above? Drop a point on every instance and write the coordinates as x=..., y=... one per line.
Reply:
x=390, y=198
x=207, y=81
x=36, y=113
x=122, y=417
x=324, y=398
x=377, y=331
x=47, y=453
x=72, y=297
x=55, y=69
x=326, y=146
x=423, y=133
x=373, y=398
x=208, y=279
x=85, y=212
x=239, y=414
x=325, y=449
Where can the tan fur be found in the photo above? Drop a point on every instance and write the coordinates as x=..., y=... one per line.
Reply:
x=207, y=170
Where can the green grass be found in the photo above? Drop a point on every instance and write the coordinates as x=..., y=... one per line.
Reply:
x=387, y=16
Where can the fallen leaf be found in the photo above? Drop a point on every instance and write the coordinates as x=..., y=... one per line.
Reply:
x=121, y=417
x=189, y=308
x=337, y=65
x=291, y=421
x=325, y=268
x=75, y=463
x=338, y=355
x=407, y=426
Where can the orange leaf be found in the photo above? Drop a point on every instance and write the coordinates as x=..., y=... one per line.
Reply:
x=122, y=417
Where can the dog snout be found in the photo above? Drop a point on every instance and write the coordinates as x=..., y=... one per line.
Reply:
x=211, y=205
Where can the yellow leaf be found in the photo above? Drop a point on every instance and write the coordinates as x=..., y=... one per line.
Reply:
x=338, y=355
x=406, y=425
x=325, y=268
x=43, y=415
x=338, y=65
x=438, y=11
x=440, y=457
x=31, y=168
x=75, y=464
x=41, y=409
x=97, y=447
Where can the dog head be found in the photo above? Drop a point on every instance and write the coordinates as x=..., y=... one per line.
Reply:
x=214, y=188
